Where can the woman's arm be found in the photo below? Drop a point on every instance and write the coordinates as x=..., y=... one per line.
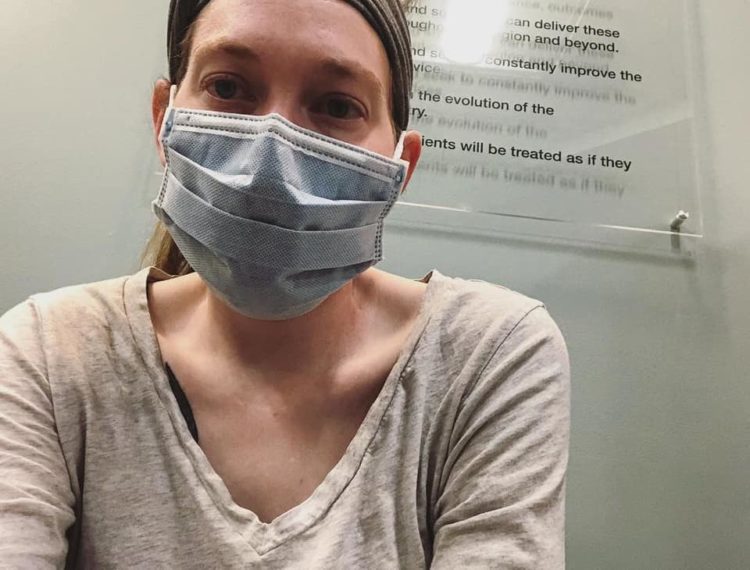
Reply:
x=36, y=499
x=502, y=503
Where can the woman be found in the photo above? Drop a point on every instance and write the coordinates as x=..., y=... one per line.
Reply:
x=262, y=396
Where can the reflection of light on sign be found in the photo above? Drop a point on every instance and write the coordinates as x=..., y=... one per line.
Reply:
x=470, y=27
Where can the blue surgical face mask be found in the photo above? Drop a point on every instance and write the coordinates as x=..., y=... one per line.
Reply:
x=273, y=217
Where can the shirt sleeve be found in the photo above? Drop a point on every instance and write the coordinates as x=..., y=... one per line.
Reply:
x=502, y=503
x=36, y=499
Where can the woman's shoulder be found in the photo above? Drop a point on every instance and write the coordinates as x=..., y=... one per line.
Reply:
x=473, y=322
x=74, y=318
x=489, y=342
x=480, y=307
x=74, y=304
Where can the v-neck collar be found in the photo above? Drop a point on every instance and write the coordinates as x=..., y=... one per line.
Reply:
x=264, y=537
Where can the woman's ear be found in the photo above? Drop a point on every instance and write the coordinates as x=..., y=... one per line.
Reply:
x=412, y=152
x=159, y=104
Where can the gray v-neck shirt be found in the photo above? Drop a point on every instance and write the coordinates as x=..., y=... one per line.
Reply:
x=460, y=462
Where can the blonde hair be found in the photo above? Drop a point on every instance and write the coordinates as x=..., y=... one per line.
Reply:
x=161, y=251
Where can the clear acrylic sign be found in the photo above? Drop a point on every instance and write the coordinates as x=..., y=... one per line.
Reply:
x=582, y=114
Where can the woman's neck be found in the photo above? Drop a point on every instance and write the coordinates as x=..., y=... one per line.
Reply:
x=317, y=341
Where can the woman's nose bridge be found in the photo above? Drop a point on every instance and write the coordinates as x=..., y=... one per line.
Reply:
x=285, y=103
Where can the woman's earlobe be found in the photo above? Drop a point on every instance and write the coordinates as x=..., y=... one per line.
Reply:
x=412, y=152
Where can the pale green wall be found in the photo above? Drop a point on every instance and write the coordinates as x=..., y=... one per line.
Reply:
x=660, y=456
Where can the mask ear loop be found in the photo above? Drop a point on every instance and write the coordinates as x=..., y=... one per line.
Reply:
x=397, y=156
x=400, y=147
x=166, y=122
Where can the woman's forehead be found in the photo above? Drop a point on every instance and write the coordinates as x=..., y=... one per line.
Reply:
x=304, y=29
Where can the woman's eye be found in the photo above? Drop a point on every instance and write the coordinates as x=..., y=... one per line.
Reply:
x=224, y=88
x=341, y=108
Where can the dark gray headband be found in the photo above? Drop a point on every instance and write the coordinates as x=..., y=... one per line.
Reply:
x=385, y=16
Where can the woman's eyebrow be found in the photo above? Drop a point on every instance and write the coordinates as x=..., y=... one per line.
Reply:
x=351, y=70
x=225, y=47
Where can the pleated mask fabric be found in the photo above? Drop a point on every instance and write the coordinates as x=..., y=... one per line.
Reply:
x=273, y=217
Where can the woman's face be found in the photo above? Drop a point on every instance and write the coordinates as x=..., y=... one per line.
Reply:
x=318, y=64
